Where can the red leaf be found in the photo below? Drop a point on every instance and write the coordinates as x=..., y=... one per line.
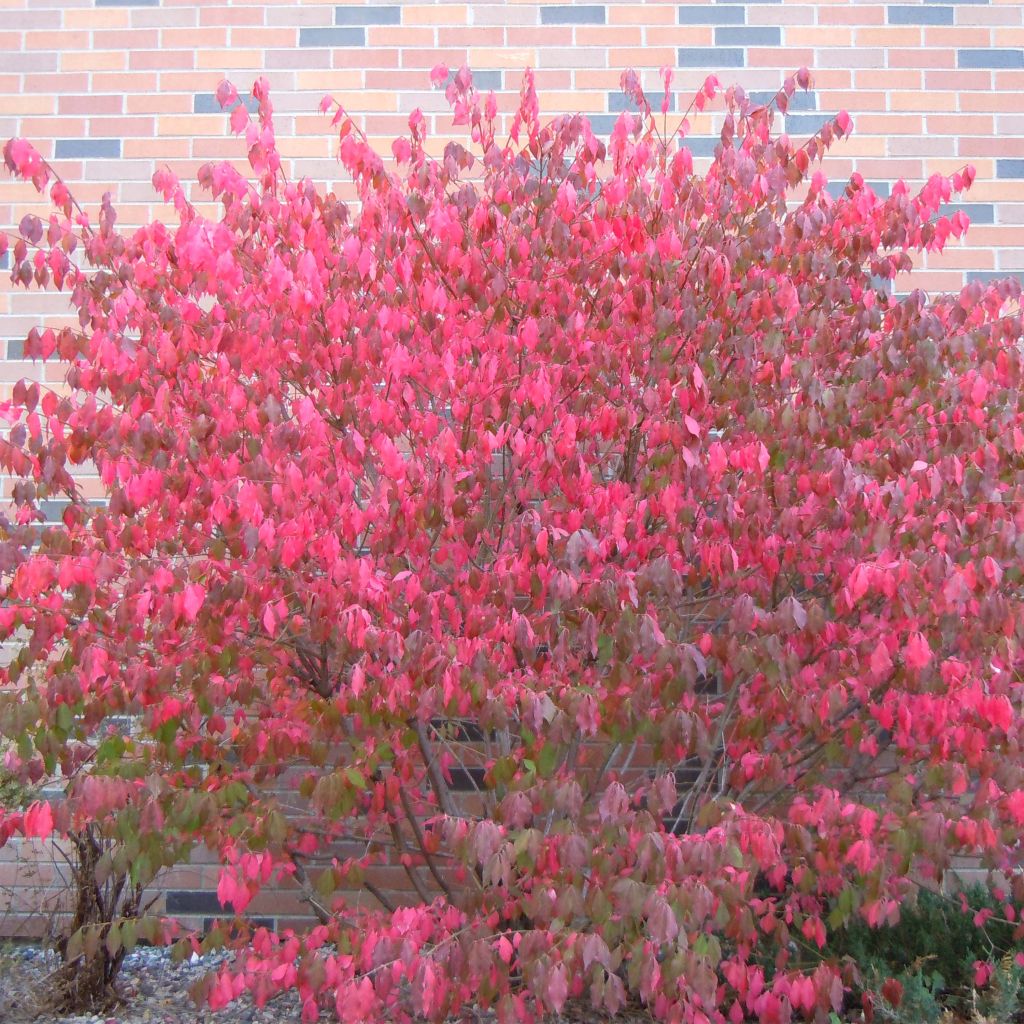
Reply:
x=892, y=992
x=38, y=821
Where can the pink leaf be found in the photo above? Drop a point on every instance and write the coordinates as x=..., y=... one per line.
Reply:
x=227, y=94
x=38, y=821
x=558, y=988
x=917, y=653
x=239, y=118
x=192, y=600
x=881, y=662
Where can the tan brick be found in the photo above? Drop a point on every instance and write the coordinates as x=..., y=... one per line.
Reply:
x=994, y=236
x=94, y=60
x=820, y=35
x=960, y=79
x=328, y=80
x=599, y=78
x=924, y=101
x=59, y=40
x=157, y=150
x=1008, y=85
x=446, y=14
x=159, y=103
x=228, y=59
x=854, y=14
x=96, y=17
x=889, y=124
x=126, y=81
x=159, y=60
x=457, y=35
x=491, y=57
x=620, y=58
x=1006, y=146
x=248, y=14
x=641, y=14
x=609, y=35
x=922, y=57
x=788, y=58
x=121, y=126
x=781, y=14
x=53, y=127
x=984, y=101
x=172, y=38
x=529, y=35
x=417, y=35
x=890, y=35
x=952, y=36
x=957, y=124
x=189, y=125
x=382, y=58
x=12, y=103
x=679, y=35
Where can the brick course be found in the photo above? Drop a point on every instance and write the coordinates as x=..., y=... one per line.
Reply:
x=112, y=89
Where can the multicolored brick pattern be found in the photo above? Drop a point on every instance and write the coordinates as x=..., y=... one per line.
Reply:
x=111, y=89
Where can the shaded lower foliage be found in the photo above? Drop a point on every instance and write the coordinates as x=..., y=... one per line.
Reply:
x=939, y=958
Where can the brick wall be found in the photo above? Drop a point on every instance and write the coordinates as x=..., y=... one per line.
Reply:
x=110, y=89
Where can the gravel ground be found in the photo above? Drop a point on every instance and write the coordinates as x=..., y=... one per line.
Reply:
x=155, y=991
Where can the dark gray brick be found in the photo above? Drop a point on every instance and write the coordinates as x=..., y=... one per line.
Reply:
x=467, y=780
x=16, y=348
x=920, y=15
x=602, y=124
x=980, y=213
x=838, y=188
x=805, y=124
x=988, y=276
x=620, y=101
x=372, y=15
x=488, y=79
x=80, y=149
x=573, y=14
x=53, y=510
x=206, y=103
x=180, y=901
x=332, y=37
x=990, y=58
x=1010, y=168
x=485, y=80
x=127, y=3
x=709, y=57
x=799, y=102
x=753, y=35
x=712, y=15
x=702, y=145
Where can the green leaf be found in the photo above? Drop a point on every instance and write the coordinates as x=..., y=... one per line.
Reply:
x=64, y=717
x=547, y=759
